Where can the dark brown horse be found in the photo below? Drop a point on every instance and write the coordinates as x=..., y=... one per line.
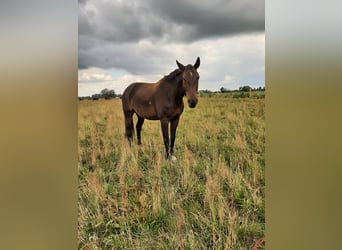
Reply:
x=162, y=101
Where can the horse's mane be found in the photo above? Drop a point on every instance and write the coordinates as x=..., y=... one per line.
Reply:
x=172, y=75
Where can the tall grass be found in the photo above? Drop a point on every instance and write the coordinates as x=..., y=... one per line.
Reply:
x=212, y=197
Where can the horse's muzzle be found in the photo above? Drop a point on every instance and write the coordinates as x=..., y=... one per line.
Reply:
x=192, y=103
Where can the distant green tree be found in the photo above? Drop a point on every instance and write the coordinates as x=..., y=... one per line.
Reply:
x=84, y=98
x=223, y=90
x=104, y=91
x=96, y=96
x=245, y=88
x=108, y=94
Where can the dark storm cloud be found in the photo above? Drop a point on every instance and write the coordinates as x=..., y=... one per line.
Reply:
x=213, y=18
x=108, y=28
x=119, y=22
x=127, y=56
x=82, y=2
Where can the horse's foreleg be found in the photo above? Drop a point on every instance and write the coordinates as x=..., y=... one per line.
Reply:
x=138, y=127
x=174, y=124
x=164, y=126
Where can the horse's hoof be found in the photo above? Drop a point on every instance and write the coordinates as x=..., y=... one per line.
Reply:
x=173, y=158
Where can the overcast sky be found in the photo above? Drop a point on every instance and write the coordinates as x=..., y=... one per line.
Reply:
x=123, y=41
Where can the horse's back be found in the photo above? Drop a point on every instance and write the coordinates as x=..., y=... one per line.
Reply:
x=135, y=91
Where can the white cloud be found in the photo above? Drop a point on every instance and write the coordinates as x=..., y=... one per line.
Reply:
x=228, y=78
x=93, y=74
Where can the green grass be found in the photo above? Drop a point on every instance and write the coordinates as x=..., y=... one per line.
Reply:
x=212, y=197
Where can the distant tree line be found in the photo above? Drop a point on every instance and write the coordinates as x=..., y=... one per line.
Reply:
x=241, y=92
x=104, y=94
x=245, y=88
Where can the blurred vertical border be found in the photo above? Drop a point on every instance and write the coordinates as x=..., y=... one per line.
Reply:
x=303, y=124
x=38, y=135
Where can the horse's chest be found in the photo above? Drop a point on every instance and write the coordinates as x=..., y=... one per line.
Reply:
x=175, y=111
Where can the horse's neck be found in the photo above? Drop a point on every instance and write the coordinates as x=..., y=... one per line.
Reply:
x=174, y=87
x=179, y=91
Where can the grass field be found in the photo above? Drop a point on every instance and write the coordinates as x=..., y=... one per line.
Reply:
x=212, y=197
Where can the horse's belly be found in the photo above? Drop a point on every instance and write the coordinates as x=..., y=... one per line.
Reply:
x=147, y=113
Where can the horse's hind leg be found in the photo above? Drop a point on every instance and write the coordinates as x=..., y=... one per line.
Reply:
x=138, y=127
x=129, y=126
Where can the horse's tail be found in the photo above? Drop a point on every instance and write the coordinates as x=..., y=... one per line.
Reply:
x=128, y=112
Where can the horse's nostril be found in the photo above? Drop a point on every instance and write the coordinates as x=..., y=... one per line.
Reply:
x=192, y=103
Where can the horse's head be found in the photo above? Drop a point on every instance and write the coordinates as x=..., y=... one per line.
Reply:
x=190, y=78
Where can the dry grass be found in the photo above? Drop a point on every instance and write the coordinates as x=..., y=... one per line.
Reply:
x=212, y=197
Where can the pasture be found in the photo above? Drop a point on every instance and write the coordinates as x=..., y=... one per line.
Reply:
x=212, y=197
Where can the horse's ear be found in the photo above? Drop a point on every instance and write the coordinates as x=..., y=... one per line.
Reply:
x=180, y=66
x=197, y=63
